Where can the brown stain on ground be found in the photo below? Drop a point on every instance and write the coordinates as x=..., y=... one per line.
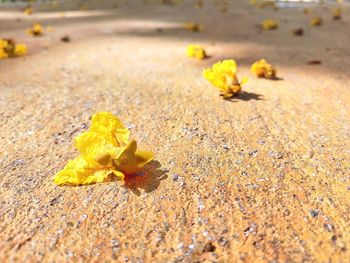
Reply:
x=261, y=178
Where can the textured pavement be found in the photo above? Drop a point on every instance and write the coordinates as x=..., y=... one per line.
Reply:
x=262, y=178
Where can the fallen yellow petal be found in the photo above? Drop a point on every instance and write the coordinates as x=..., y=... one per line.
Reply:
x=262, y=69
x=223, y=76
x=105, y=151
x=36, y=30
x=131, y=160
x=85, y=170
x=269, y=24
x=195, y=27
x=195, y=51
x=316, y=21
x=20, y=49
x=336, y=13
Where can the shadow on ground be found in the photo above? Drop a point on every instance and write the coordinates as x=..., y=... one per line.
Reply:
x=246, y=96
x=148, y=180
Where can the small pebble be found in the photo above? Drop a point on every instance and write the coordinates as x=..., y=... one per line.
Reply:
x=209, y=247
x=175, y=177
x=314, y=213
x=65, y=38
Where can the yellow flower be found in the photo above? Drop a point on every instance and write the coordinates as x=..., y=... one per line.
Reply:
x=20, y=49
x=262, y=69
x=110, y=127
x=85, y=170
x=28, y=11
x=199, y=4
x=223, y=76
x=36, y=30
x=9, y=48
x=3, y=43
x=306, y=10
x=3, y=49
x=269, y=24
x=195, y=51
x=316, y=21
x=105, y=152
x=3, y=54
x=195, y=27
x=337, y=13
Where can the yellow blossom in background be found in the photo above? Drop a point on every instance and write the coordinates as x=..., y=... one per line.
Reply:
x=105, y=152
x=20, y=49
x=3, y=54
x=9, y=49
x=336, y=13
x=199, y=4
x=3, y=44
x=36, y=30
x=269, y=24
x=262, y=69
x=223, y=76
x=195, y=51
x=28, y=10
x=195, y=27
x=306, y=10
x=316, y=21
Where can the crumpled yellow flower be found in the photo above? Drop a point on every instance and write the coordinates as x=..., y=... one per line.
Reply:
x=195, y=51
x=3, y=47
x=36, y=30
x=262, y=69
x=105, y=152
x=336, y=13
x=9, y=49
x=269, y=24
x=316, y=21
x=28, y=10
x=20, y=49
x=3, y=54
x=223, y=76
x=195, y=27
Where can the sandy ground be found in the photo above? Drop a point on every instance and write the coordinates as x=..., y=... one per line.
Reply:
x=261, y=178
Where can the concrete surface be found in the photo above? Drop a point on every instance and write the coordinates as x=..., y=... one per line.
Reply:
x=261, y=178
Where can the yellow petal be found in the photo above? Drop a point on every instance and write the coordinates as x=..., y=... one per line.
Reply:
x=262, y=69
x=195, y=51
x=91, y=143
x=244, y=80
x=3, y=54
x=130, y=160
x=109, y=126
x=223, y=75
x=269, y=24
x=143, y=157
x=20, y=49
x=85, y=170
x=3, y=44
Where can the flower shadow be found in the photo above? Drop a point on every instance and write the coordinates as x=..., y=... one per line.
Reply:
x=148, y=179
x=245, y=96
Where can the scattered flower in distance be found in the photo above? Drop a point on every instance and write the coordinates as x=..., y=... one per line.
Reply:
x=336, y=13
x=269, y=24
x=36, y=30
x=195, y=27
x=316, y=21
x=196, y=51
x=223, y=76
x=262, y=69
x=9, y=49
